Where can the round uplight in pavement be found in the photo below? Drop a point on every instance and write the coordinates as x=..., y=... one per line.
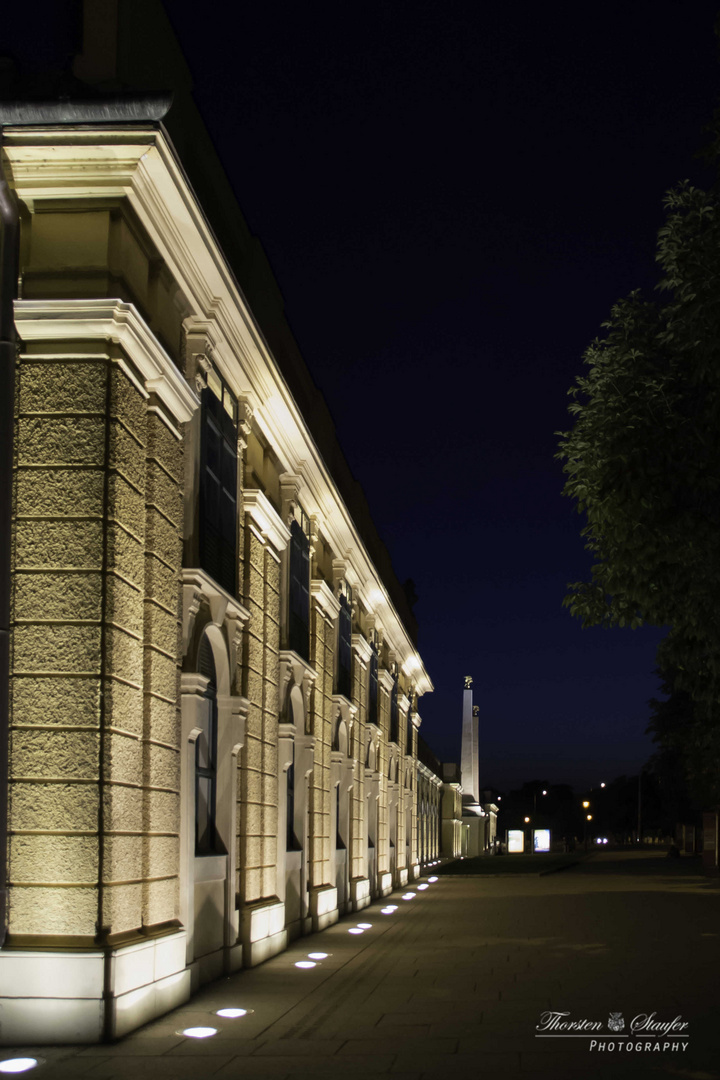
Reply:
x=423, y=886
x=198, y=1032
x=305, y=963
x=232, y=1014
x=19, y=1065
x=388, y=910
x=432, y=879
x=355, y=930
x=409, y=896
x=365, y=925
x=319, y=955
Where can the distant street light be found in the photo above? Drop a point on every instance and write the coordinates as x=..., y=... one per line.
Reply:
x=585, y=803
x=527, y=820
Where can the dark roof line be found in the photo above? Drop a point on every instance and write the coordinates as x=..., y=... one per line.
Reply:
x=119, y=109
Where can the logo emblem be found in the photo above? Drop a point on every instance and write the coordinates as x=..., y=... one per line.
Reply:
x=616, y=1022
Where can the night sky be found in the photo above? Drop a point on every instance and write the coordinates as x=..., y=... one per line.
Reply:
x=451, y=197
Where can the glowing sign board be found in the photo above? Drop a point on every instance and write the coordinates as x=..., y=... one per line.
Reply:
x=516, y=840
x=541, y=840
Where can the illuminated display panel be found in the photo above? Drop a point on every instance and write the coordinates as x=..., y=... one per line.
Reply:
x=541, y=840
x=516, y=840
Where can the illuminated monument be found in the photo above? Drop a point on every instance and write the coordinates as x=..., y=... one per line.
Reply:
x=213, y=677
x=478, y=819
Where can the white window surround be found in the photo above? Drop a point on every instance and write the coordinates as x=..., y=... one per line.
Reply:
x=362, y=649
x=263, y=515
x=324, y=599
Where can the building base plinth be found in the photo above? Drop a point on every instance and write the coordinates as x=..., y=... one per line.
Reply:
x=66, y=997
x=263, y=932
x=360, y=893
x=323, y=906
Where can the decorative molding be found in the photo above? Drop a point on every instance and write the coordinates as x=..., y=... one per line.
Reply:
x=290, y=485
x=110, y=320
x=362, y=648
x=266, y=519
x=198, y=589
x=193, y=683
x=294, y=671
x=323, y=596
x=140, y=165
x=385, y=680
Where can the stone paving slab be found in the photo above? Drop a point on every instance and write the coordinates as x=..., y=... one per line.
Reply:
x=454, y=983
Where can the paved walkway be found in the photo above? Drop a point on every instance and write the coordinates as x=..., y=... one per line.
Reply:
x=454, y=983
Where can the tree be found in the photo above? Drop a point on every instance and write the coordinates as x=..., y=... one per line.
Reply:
x=643, y=463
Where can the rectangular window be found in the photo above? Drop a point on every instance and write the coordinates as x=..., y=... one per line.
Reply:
x=373, y=689
x=394, y=713
x=409, y=742
x=344, y=678
x=299, y=606
x=217, y=527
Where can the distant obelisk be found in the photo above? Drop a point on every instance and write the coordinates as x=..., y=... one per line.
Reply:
x=469, y=768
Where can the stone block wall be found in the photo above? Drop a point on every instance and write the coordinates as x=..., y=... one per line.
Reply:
x=358, y=839
x=322, y=658
x=94, y=781
x=258, y=788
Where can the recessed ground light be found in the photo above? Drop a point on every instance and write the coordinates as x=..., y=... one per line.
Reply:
x=19, y=1065
x=408, y=896
x=432, y=879
x=423, y=886
x=365, y=925
x=198, y=1032
x=305, y=963
x=354, y=930
x=392, y=907
x=231, y=1014
x=319, y=955
x=387, y=910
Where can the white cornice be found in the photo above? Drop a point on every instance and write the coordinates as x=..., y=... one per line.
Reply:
x=322, y=594
x=362, y=647
x=385, y=679
x=269, y=523
x=110, y=320
x=140, y=165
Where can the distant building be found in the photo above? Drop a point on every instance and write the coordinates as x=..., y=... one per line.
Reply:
x=429, y=803
x=213, y=676
x=454, y=840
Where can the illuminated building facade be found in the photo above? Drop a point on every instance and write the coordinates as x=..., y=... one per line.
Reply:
x=213, y=686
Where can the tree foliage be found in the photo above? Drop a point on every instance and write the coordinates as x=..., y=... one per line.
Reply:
x=643, y=457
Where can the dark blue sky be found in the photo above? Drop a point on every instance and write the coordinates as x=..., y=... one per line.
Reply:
x=452, y=196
